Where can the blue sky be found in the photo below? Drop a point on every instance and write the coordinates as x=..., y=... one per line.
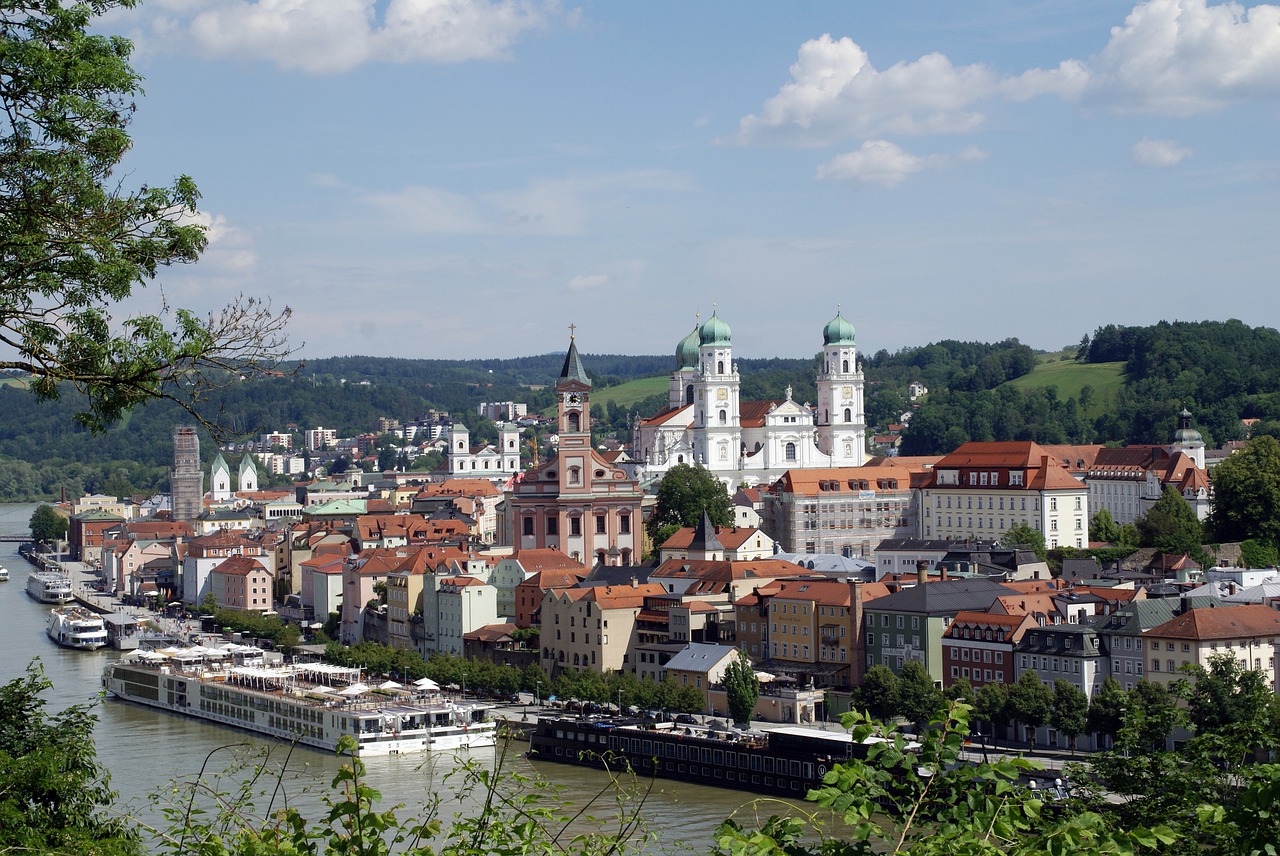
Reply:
x=440, y=178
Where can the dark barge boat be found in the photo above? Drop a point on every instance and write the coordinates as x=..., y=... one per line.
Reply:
x=785, y=761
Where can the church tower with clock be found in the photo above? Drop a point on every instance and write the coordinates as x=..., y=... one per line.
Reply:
x=841, y=426
x=578, y=502
x=716, y=417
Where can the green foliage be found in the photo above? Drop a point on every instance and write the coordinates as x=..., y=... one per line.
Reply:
x=918, y=698
x=75, y=242
x=1256, y=554
x=1103, y=527
x=1107, y=708
x=1246, y=493
x=742, y=689
x=1024, y=537
x=685, y=493
x=878, y=694
x=55, y=797
x=993, y=707
x=1172, y=527
x=1031, y=703
x=916, y=797
x=1070, y=710
x=48, y=525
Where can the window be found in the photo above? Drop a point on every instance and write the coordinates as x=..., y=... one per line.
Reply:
x=1155, y=665
x=528, y=526
x=575, y=525
x=552, y=527
x=624, y=524
x=600, y=527
x=790, y=452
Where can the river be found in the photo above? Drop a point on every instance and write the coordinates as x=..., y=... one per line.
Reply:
x=145, y=750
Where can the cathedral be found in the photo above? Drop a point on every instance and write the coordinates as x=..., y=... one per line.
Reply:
x=748, y=443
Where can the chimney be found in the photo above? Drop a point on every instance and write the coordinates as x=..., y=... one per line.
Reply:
x=635, y=583
x=922, y=572
x=942, y=569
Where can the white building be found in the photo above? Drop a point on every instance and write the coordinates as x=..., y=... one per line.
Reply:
x=753, y=442
x=319, y=438
x=496, y=462
x=465, y=604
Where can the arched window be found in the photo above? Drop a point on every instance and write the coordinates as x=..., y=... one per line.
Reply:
x=724, y=418
x=720, y=367
x=688, y=394
x=574, y=421
x=791, y=451
x=460, y=446
x=846, y=365
x=575, y=475
x=848, y=414
x=600, y=554
x=848, y=449
x=724, y=452
x=679, y=459
x=626, y=556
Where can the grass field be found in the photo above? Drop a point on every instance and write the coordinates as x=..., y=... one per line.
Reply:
x=627, y=394
x=1068, y=377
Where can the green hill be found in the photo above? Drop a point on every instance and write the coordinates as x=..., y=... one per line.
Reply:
x=1068, y=377
x=633, y=391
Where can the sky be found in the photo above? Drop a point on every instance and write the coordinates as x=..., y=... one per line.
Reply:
x=453, y=179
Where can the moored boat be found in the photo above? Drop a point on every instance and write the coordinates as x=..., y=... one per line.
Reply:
x=49, y=587
x=786, y=760
x=4, y=574
x=77, y=627
x=315, y=704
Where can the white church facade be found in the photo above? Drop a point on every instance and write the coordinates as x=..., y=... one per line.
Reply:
x=748, y=443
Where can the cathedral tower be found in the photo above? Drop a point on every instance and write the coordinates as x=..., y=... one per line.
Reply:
x=716, y=418
x=841, y=421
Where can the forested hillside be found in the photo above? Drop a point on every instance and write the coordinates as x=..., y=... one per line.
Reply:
x=1222, y=371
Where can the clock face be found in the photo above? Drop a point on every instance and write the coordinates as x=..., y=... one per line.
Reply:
x=722, y=394
x=847, y=391
x=574, y=398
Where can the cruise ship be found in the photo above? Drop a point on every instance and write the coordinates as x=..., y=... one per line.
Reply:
x=314, y=704
x=49, y=587
x=77, y=627
x=784, y=761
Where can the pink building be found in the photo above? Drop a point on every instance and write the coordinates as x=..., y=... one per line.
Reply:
x=242, y=582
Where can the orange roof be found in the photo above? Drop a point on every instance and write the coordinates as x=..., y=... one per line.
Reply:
x=1039, y=469
x=751, y=414
x=1027, y=604
x=239, y=566
x=665, y=416
x=459, y=487
x=816, y=481
x=536, y=560
x=1225, y=622
x=730, y=537
x=556, y=578
x=614, y=597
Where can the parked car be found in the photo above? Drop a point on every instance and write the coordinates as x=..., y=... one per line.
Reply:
x=686, y=719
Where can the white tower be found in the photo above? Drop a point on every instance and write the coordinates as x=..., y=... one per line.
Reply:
x=509, y=447
x=459, y=448
x=841, y=420
x=220, y=479
x=717, y=428
x=247, y=480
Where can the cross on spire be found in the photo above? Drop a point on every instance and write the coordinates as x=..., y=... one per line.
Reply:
x=572, y=327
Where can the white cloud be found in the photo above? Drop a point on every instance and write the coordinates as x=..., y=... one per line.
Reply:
x=1171, y=57
x=884, y=163
x=1181, y=57
x=432, y=210
x=332, y=36
x=584, y=283
x=230, y=250
x=836, y=93
x=1159, y=153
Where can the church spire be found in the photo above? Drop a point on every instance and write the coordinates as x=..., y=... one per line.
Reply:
x=573, y=369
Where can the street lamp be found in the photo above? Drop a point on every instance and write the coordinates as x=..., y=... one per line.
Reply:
x=539, y=696
x=619, y=701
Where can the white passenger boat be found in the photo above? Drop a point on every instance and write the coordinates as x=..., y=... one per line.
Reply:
x=49, y=587
x=77, y=627
x=312, y=703
x=4, y=574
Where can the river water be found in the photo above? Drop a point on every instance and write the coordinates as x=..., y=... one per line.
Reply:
x=147, y=750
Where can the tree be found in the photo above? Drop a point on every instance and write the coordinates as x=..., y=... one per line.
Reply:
x=1024, y=537
x=1225, y=695
x=878, y=695
x=48, y=525
x=1106, y=708
x=54, y=795
x=74, y=241
x=684, y=494
x=961, y=691
x=1031, y=702
x=1150, y=717
x=741, y=689
x=918, y=698
x=1257, y=554
x=1070, y=710
x=1171, y=526
x=1246, y=493
x=1102, y=527
x=993, y=707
